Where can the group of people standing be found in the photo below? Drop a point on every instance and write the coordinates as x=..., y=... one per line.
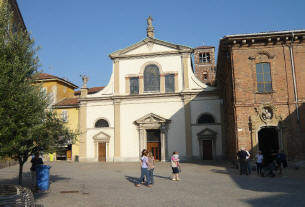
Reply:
x=266, y=164
x=148, y=166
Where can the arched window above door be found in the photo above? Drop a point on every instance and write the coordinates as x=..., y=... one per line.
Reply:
x=206, y=119
x=151, y=78
x=101, y=123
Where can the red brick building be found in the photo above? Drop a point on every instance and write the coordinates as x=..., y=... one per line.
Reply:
x=204, y=60
x=261, y=78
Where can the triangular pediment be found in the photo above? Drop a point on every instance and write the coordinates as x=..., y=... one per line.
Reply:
x=149, y=46
x=101, y=137
x=151, y=119
x=207, y=133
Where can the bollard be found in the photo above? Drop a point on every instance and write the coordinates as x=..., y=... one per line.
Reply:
x=76, y=158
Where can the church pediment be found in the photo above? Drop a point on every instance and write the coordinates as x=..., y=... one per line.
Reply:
x=207, y=133
x=101, y=137
x=149, y=46
x=151, y=119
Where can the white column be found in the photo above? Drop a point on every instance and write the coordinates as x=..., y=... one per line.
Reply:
x=163, y=145
x=144, y=139
x=141, y=140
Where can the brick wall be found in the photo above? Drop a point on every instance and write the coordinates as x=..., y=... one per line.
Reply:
x=205, y=68
x=242, y=101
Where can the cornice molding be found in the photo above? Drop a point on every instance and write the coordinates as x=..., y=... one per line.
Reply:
x=273, y=38
x=152, y=95
x=156, y=54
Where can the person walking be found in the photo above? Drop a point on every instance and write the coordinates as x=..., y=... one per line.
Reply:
x=144, y=169
x=241, y=156
x=151, y=167
x=248, y=160
x=36, y=161
x=281, y=160
x=259, y=162
x=175, y=166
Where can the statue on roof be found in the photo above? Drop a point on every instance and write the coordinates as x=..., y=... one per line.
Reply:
x=85, y=81
x=150, y=28
x=149, y=21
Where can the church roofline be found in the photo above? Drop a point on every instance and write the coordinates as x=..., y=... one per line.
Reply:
x=121, y=52
x=262, y=38
x=284, y=32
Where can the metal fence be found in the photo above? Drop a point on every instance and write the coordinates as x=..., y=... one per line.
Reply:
x=15, y=195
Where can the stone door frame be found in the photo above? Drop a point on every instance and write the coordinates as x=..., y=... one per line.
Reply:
x=153, y=121
x=207, y=134
x=101, y=137
x=258, y=121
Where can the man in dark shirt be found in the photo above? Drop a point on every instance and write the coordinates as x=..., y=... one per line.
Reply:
x=36, y=160
x=241, y=156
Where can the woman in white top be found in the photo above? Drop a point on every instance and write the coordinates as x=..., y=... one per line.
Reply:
x=144, y=169
x=259, y=162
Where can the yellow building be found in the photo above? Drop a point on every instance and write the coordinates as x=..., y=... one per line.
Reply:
x=65, y=102
x=66, y=105
x=68, y=110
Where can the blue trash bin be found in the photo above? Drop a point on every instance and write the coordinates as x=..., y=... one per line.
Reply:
x=42, y=177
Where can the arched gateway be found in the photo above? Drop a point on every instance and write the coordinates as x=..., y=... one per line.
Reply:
x=268, y=140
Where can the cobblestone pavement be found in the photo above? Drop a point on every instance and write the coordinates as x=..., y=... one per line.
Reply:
x=205, y=184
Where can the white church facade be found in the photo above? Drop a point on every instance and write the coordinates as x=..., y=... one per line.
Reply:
x=153, y=101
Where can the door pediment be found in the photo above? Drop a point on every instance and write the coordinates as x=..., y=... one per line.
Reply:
x=151, y=119
x=206, y=133
x=101, y=137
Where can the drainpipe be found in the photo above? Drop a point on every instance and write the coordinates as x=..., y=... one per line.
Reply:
x=293, y=76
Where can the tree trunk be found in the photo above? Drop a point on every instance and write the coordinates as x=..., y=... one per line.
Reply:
x=20, y=171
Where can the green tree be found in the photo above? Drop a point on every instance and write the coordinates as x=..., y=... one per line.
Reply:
x=26, y=125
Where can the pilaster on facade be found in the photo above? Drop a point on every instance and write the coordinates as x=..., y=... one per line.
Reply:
x=116, y=77
x=117, y=128
x=83, y=131
x=185, y=59
x=188, y=130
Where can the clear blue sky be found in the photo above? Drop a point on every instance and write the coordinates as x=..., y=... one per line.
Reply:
x=76, y=36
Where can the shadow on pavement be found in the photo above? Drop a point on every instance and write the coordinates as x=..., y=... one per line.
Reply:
x=286, y=189
x=27, y=182
x=52, y=179
x=133, y=180
x=220, y=171
x=163, y=177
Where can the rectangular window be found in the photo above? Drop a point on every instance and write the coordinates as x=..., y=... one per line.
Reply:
x=64, y=116
x=204, y=57
x=169, y=83
x=134, y=85
x=205, y=76
x=263, y=78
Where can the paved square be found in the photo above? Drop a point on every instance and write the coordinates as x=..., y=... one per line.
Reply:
x=112, y=184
